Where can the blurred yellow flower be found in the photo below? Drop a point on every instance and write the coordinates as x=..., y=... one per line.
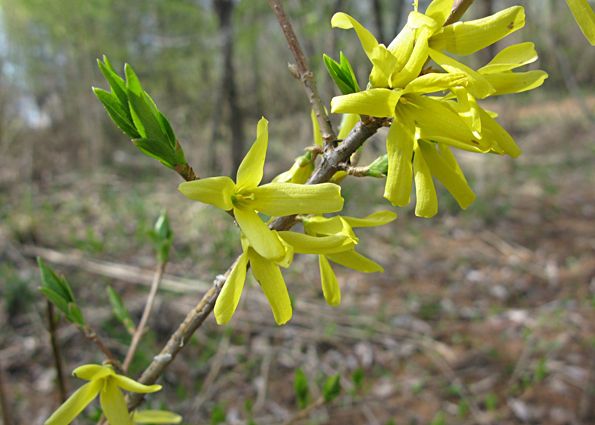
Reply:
x=106, y=383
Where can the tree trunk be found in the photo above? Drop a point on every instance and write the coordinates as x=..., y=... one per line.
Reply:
x=224, y=10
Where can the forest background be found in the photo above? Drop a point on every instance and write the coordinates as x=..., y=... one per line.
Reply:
x=517, y=266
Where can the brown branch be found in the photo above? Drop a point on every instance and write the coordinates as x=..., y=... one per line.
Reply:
x=458, y=10
x=138, y=333
x=92, y=336
x=304, y=413
x=303, y=72
x=56, y=352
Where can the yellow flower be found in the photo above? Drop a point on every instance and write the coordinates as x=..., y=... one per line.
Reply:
x=246, y=198
x=346, y=255
x=155, y=417
x=268, y=274
x=103, y=381
x=425, y=34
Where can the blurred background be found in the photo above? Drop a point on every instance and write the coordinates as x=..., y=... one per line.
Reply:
x=483, y=316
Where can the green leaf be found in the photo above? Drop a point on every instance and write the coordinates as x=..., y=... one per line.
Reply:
x=180, y=158
x=218, y=415
x=439, y=419
x=75, y=315
x=58, y=292
x=162, y=236
x=120, y=310
x=156, y=150
x=302, y=391
x=143, y=110
x=342, y=74
x=346, y=66
x=378, y=168
x=331, y=388
x=358, y=379
x=117, y=83
x=116, y=111
x=336, y=74
x=167, y=128
x=55, y=299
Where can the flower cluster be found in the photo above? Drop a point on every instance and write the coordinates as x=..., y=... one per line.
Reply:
x=434, y=110
x=266, y=250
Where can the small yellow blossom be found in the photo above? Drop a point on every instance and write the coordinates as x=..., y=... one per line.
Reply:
x=106, y=383
x=322, y=227
x=246, y=198
x=268, y=273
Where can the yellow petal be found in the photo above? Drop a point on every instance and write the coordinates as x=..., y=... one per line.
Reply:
x=89, y=372
x=464, y=38
x=328, y=280
x=378, y=218
x=355, y=261
x=279, y=199
x=132, y=386
x=415, y=63
x=435, y=82
x=348, y=122
x=75, y=404
x=155, y=417
x=374, y=102
x=516, y=82
x=261, y=238
x=399, y=146
x=315, y=129
x=113, y=404
x=585, y=18
x=300, y=171
x=344, y=21
x=437, y=121
x=271, y=281
x=402, y=46
x=307, y=244
x=450, y=177
x=468, y=110
x=439, y=11
x=251, y=168
x=510, y=58
x=426, y=202
x=228, y=299
x=215, y=191
x=476, y=83
x=384, y=64
x=494, y=134
x=287, y=259
x=319, y=225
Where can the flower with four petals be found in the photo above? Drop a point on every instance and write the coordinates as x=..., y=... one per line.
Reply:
x=106, y=383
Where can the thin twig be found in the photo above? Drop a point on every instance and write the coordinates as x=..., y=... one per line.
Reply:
x=56, y=352
x=458, y=10
x=92, y=336
x=305, y=75
x=140, y=329
x=4, y=404
x=304, y=413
